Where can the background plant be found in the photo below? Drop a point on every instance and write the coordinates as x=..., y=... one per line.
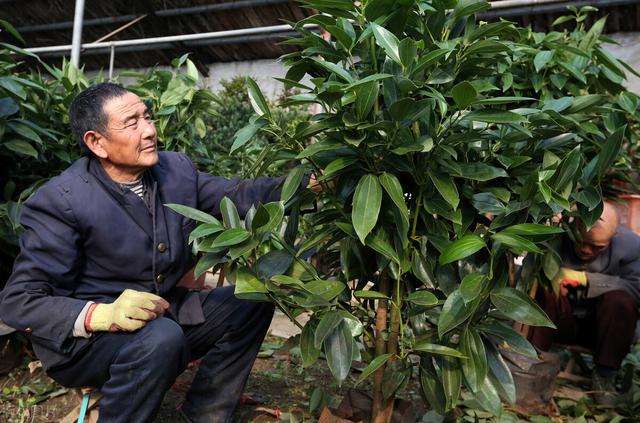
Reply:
x=450, y=145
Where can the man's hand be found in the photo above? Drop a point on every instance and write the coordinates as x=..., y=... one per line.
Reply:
x=314, y=185
x=568, y=278
x=131, y=311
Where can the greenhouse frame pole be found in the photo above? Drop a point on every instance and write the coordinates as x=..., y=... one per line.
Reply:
x=76, y=42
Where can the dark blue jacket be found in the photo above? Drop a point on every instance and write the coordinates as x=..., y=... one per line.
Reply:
x=88, y=239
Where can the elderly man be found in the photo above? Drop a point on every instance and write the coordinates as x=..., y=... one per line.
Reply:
x=599, y=292
x=95, y=283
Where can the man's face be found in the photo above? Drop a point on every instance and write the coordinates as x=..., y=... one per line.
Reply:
x=131, y=139
x=593, y=242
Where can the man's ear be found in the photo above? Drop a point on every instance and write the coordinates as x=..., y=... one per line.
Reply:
x=94, y=140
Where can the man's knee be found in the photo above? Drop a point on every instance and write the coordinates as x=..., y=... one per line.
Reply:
x=163, y=338
x=619, y=304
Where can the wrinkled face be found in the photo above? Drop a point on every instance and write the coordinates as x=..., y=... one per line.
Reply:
x=131, y=140
x=592, y=242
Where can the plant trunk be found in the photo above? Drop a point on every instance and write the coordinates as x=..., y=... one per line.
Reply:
x=382, y=409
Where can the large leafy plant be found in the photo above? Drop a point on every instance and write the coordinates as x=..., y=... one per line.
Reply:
x=445, y=146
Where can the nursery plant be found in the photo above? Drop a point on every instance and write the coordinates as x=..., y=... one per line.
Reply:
x=444, y=146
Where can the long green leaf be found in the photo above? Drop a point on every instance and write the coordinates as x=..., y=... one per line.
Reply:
x=436, y=349
x=256, y=98
x=519, y=307
x=338, y=348
x=230, y=237
x=308, y=349
x=366, y=206
x=230, y=216
x=461, y=248
x=394, y=190
x=454, y=312
x=388, y=41
x=291, y=183
x=475, y=368
x=193, y=214
x=375, y=364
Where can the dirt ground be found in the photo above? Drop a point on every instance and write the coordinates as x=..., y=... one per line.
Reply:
x=277, y=388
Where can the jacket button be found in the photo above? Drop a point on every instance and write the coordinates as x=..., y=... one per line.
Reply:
x=162, y=247
x=160, y=278
x=28, y=330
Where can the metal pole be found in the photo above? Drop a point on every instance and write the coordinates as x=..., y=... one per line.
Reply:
x=175, y=38
x=112, y=58
x=77, y=33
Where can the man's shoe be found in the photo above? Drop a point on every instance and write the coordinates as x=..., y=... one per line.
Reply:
x=604, y=388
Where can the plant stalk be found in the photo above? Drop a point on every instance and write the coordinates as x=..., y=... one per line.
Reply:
x=381, y=409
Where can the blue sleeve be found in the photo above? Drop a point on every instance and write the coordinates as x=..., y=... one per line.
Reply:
x=37, y=297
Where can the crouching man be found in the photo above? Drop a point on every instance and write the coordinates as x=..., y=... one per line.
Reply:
x=95, y=283
x=597, y=292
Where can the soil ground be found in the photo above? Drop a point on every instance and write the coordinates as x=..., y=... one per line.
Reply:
x=279, y=389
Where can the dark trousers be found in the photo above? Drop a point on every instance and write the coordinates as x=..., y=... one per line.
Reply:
x=134, y=370
x=607, y=327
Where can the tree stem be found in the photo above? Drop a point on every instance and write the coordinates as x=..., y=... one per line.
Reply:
x=382, y=409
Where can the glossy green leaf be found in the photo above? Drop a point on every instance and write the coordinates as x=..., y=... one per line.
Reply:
x=375, y=364
x=244, y=134
x=407, y=51
x=248, y=287
x=509, y=338
x=471, y=286
x=454, y=312
x=230, y=237
x=204, y=230
x=369, y=294
x=366, y=97
x=500, y=375
x=292, y=183
x=256, y=98
x=481, y=171
x=451, y=379
x=542, y=59
x=432, y=386
x=21, y=147
x=206, y=262
x=461, y=248
x=446, y=187
x=421, y=270
x=382, y=246
x=517, y=243
x=610, y=150
x=366, y=205
x=193, y=214
x=519, y=307
x=422, y=298
x=326, y=289
x=463, y=94
x=495, y=116
x=335, y=69
x=308, y=350
x=326, y=325
x=394, y=190
x=475, y=367
x=388, y=41
x=230, y=216
x=273, y=263
x=338, y=348
x=436, y=349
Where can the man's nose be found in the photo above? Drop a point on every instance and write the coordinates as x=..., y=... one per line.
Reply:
x=149, y=130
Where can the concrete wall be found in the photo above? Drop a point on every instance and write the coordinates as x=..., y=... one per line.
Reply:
x=629, y=51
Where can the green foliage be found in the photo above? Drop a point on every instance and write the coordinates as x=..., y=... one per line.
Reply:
x=444, y=146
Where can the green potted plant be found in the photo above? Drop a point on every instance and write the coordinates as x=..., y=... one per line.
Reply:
x=445, y=146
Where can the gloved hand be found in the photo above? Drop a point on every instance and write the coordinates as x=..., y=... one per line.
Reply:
x=568, y=277
x=129, y=312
